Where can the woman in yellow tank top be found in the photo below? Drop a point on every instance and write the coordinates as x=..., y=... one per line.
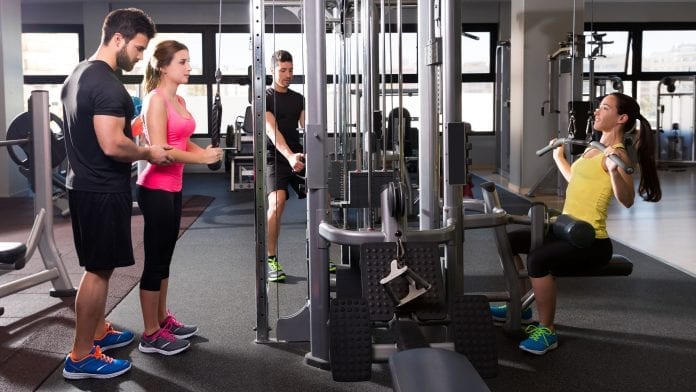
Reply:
x=592, y=182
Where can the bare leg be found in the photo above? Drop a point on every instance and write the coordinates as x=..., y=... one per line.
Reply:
x=154, y=305
x=149, y=302
x=545, y=294
x=162, y=310
x=276, y=205
x=89, y=311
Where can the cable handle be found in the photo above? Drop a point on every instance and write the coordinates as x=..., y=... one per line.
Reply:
x=594, y=144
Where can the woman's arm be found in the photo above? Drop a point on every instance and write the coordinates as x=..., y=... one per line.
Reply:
x=561, y=162
x=621, y=182
x=156, y=119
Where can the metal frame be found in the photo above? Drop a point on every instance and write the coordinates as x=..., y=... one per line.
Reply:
x=41, y=235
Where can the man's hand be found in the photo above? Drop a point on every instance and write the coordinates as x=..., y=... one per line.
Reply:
x=296, y=161
x=159, y=155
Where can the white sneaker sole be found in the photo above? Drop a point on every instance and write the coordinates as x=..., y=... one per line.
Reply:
x=151, y=350
x=537, y=352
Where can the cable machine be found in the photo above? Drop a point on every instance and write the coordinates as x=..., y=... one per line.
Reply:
x=676, y=105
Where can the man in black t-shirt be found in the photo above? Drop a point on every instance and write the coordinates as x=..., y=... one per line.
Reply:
x=285, y=165
x=97, y=112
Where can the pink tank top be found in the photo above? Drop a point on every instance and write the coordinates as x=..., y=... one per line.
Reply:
x=179, y=129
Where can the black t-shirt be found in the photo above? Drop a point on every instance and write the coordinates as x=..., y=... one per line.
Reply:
x=286, y=107
x=94, y=89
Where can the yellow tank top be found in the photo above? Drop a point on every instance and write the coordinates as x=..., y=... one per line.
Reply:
x=589, y=193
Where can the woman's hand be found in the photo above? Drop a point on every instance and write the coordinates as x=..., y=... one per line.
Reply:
x=211, y=155
x=558, y=151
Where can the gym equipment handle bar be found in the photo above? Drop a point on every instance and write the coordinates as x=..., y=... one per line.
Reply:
x=594, y=144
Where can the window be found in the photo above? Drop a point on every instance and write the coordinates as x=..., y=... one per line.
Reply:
x=611, y=55
x=54, y=103
x=409, y=53
x=193, y=42
x=477, y=105
x=235, y=56
x=669, y=51
x=50, y=53
x=476, y=52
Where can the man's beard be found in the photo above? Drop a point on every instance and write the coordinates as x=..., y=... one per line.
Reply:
x=123, y=61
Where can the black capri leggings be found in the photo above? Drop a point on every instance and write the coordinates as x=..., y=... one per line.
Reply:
x=162, y=214
x=557, y=256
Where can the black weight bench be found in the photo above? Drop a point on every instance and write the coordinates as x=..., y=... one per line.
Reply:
x=433, y=369
x=12, y=255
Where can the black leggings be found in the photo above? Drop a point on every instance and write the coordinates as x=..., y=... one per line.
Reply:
x=557, y=256
x=162, y=213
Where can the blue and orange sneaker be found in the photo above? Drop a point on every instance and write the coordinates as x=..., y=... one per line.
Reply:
x=540, y=340
x=94, y=365
x=113, y=338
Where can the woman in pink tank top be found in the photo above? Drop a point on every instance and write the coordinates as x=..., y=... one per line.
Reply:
x=166, y=122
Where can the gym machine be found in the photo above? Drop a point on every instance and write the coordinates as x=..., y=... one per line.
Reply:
x=22, y=154
x=14, y=255
x=564, y=99
x=676, y=106
x=539, y=221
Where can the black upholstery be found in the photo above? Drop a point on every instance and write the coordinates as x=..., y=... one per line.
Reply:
x=12, y=253
x=432, y=369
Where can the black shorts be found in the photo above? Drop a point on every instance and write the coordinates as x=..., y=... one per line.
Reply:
x=279, y=175
x=101, y=224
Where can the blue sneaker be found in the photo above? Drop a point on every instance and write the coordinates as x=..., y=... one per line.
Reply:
x=113, y=338
x=499, y=314
x=540, y=340
x=95, y=365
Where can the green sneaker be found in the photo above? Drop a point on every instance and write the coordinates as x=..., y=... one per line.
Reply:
x=275, y=270
x=540, y=340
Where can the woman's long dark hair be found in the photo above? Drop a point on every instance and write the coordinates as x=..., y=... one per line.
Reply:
x=649, y=187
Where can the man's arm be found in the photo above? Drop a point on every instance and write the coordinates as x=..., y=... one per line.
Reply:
x=115, y=144
x=294, y=158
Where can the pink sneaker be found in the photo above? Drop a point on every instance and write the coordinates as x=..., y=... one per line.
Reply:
x=177, y=328
x=162, y=342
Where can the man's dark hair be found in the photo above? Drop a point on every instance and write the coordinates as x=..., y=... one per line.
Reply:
x=280, y=56
x=128, y=22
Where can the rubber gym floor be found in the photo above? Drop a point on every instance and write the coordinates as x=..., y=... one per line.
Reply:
x=615, y=334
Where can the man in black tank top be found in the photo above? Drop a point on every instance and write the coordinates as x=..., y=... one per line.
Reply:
x=285, y=164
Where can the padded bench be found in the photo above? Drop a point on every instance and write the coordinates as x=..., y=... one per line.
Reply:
x=12, y=255
x=434, y=369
